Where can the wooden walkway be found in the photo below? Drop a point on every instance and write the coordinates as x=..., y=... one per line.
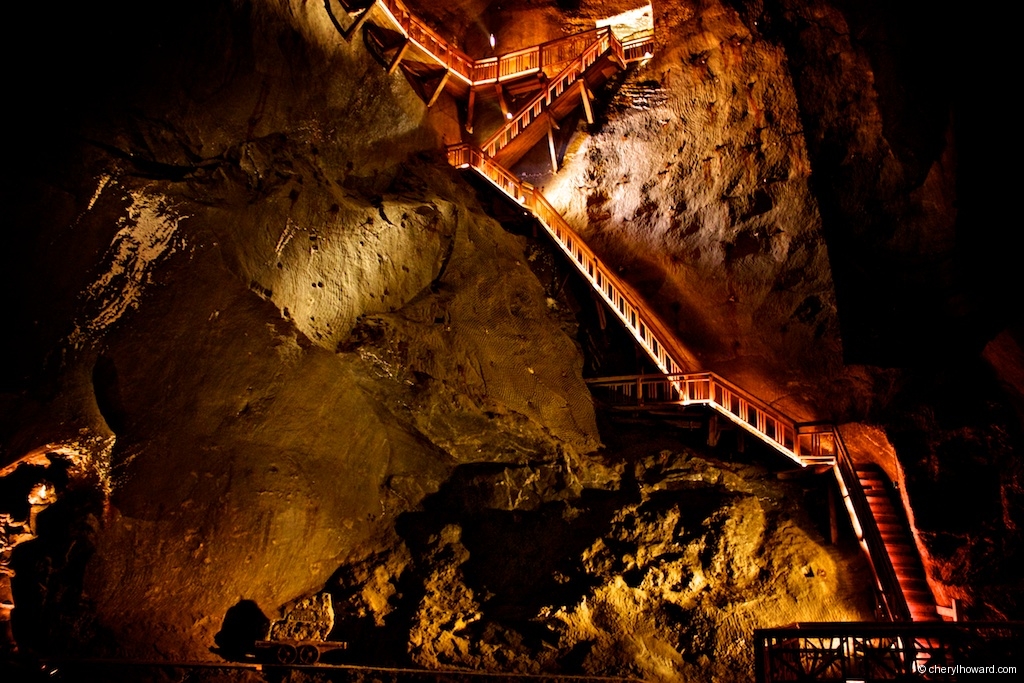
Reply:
x=583, y=60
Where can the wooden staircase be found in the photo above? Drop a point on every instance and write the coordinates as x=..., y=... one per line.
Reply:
x=877, y=516
x=899, y=543
x=571, y=88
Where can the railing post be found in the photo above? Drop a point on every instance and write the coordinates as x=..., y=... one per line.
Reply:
x=760, y=654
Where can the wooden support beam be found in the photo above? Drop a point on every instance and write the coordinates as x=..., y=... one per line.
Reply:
x=833, y=515
x=354, y=28
x=502, y=102
x=585, y=95
x=551, y=146
x=439, y=89
x=398, y=56
x=713, y=432
x=470, y=110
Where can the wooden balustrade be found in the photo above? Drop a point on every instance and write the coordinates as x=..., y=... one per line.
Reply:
x=516, y=64
x=804, y=443
x=602, y=41
x=638, y=47
x=844, y=651
x=868, y=534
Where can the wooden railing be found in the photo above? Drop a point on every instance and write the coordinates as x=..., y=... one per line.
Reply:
x=804, y=443
x=638, y=47
x=452, y=58
x=708, y=389
x=545, y=57
x=645, y=327
x=894, y=602
x=843, y=651
x=602, y=41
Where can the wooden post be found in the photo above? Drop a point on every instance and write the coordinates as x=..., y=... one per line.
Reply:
x=440, y=87
x=585, y=95
x=713, y=432
x=354, y=28
x=501, y=101
x=470, y=110
x=398, y=57
x=551, y=146
x=833, y=518
x=602, y=321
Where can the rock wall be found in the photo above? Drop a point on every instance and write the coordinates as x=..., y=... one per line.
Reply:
x=695, y=187
x=232, y=203
x=266, y=330
x=803, y=191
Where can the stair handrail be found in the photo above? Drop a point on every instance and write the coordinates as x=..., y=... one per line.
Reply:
x=430, y=40
x=488, y=70
x=650, y=331
x=530, y=60
x=603, y=40
x=750, y=412
x=646, y=327
x=869, y=534
x=638, y=46
x=738, y=405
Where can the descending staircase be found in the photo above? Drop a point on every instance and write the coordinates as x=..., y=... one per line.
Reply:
x=569, y=89
x=894, y=529
x=881, y=529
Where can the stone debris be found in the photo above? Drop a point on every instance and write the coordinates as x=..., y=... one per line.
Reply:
x=311, y=618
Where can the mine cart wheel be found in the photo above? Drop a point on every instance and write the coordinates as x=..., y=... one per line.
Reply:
x=309, y=654
x=286, y=654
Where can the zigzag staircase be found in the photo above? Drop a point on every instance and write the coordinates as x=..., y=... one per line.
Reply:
x=585, y=60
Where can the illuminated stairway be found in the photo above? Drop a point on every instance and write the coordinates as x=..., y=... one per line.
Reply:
x=424, y=54
x=569, y=89
x=896, y=535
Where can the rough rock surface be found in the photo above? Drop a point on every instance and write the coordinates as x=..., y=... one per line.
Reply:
x=662, y=575
x=311, y=618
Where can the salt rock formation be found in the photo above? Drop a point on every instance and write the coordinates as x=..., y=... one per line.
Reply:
x=276, y=346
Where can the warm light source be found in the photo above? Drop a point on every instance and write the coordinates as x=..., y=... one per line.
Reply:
x=492, y=40
x=40, y=494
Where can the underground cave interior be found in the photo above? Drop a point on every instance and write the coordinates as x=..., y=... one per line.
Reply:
x=436, y=590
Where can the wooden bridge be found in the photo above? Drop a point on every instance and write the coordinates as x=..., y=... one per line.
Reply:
x=564, y=71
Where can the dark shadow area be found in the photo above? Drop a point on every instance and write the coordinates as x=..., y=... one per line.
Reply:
x=243, y=625
x=519, y=560
x=913, y=287
x=106, y=386
x=52, y=615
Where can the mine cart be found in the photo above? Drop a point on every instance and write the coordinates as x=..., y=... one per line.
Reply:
x=296, y=651
x=301, y=636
